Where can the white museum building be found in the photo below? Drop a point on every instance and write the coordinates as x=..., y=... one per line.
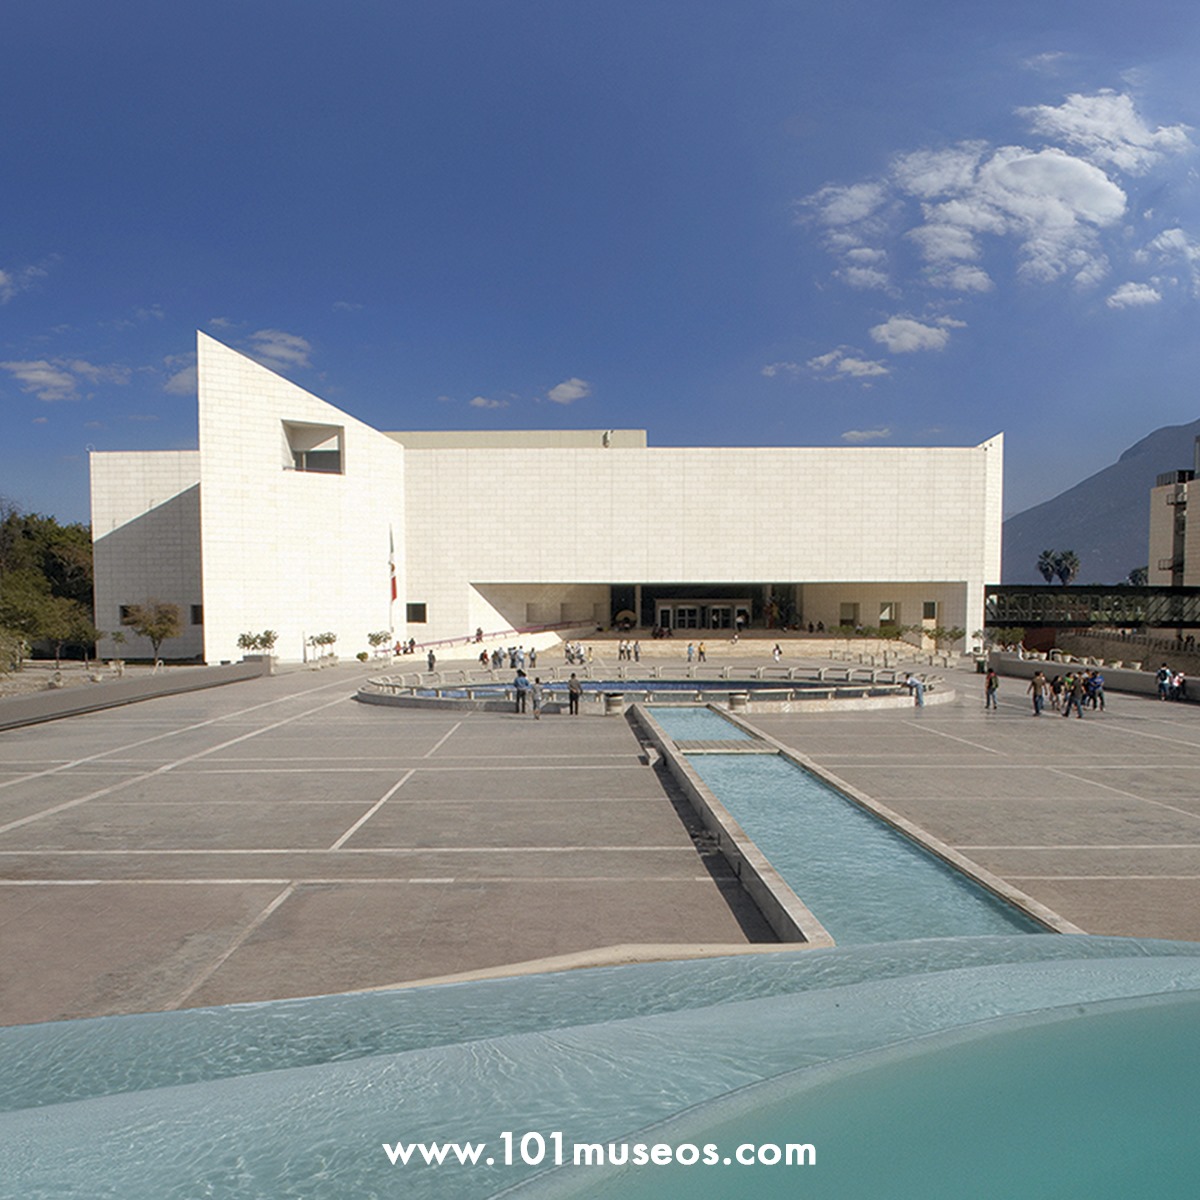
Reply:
x=294, y=516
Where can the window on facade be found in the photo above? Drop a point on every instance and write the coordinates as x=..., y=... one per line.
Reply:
x=197, y=614
x=314, y=448
x=126, y=611
x=848, y=613
x=416, y=614
x=929, y=610
x=889, y=613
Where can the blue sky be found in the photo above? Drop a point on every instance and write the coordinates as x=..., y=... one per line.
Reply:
x=769, y=223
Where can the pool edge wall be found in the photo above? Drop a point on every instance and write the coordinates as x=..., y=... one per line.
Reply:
x=788, y=916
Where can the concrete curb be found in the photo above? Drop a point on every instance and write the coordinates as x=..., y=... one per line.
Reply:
x=16, y=711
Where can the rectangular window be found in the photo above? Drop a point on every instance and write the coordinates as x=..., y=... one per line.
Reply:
x=889, y=613
x=126, y=613
x=197, y=614
x=929, y=610
x=416, y=614
x=314, y=448
x=848, y=613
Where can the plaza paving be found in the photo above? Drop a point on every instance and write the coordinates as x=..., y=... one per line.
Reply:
x=275, y=838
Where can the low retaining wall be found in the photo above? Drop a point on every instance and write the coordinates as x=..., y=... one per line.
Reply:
x=56, y=703
x=784, y=911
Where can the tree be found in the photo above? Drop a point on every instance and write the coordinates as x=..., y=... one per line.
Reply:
x=1047, y=564
x=945, y=636
x=1138, y=577
x=1066, y=566
x=156, y=621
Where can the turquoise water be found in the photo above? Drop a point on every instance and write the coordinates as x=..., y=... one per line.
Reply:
x=697, y=725
x=1102, y=1105
x=863, y=880
x=296, y=1098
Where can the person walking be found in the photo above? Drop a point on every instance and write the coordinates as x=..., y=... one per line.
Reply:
x=535, y=694
x=691, y=652
x=574, y=691
x=431, y=659
x=777, y=652
x=521, y=689
x=1037, y=689
x=991, y=686
x=1073, y=694
x=701, y=652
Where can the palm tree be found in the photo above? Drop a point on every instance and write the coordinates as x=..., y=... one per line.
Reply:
x=1047, y=564
x=1066, y=566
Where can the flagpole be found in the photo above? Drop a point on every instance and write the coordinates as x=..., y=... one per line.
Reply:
x=392, y=583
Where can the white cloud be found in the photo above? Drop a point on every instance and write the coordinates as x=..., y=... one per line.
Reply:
x=485, y=402
x=771, y=370
x=183, y=382
x=346, y=306
x=45, y=380
x=279, y=350
x=1134, y=295
x=93, y=373
x=945, y=242
x=15, y=281
x=838, y=364
x=857, y=436
x=962, y=279
x=1047, y=63
x=864, y=277
x=903, y=335
x=569, y=391
x=839, y=205
x=930, y=173
x=59, y=379
x=1172, y=247
x=1109, y=131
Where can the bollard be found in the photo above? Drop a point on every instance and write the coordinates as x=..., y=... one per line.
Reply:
x=614, y=704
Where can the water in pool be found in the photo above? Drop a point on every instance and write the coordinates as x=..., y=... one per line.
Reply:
x=295, y=1099
x=863, y=880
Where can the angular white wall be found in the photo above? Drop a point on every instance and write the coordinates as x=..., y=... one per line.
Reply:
x=146, y=544
x=295, y=551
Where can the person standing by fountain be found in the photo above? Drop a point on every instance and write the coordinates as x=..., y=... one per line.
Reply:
x=991, y=686
x=535, y=694
x=574, y=691
x=521, y=690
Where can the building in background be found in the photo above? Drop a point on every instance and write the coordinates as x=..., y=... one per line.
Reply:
x=294, y=516
x=1174, y=541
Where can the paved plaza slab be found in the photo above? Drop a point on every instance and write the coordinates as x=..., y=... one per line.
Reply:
x=276, y=838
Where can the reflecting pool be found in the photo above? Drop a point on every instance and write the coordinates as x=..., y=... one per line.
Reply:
x=297, y=1098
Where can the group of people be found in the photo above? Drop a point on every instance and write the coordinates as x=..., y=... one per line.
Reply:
x=629, y=651
x=697, y=653
x=1171, y=684
x=576, y=652
x=515, y=655
x=532, y=695
x=1076, y=690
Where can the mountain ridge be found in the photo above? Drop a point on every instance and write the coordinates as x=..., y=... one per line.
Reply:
x=1104, y=518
